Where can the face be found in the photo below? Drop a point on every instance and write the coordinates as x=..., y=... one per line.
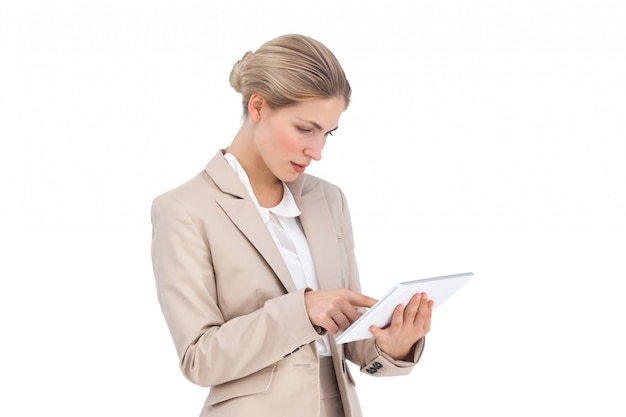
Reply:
x=290, y=138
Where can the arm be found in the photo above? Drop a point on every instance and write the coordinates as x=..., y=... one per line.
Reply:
x=368, y=353
x=212, y=348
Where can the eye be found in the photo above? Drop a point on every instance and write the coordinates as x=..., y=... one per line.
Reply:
x=304, y=129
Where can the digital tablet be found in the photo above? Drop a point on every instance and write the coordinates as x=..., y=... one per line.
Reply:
x=439, y=289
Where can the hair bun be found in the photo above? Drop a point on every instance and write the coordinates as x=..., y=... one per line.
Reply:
x=238, y=69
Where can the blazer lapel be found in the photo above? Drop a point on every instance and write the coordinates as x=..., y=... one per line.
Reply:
x=243, y=213
x=320, y=232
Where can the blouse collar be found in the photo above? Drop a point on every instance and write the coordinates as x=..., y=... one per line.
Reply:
x=287, y=206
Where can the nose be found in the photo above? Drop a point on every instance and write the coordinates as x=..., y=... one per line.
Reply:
x=314, y=150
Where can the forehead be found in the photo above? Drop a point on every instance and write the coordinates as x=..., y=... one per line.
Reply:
x=324, y=112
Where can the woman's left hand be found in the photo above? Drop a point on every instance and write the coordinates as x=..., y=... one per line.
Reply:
x=408, y=325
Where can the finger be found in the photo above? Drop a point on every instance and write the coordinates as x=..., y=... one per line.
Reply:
x=424, y=310
x=397, y=318
x=412, y=308
x=431, y=303
x=330, y=326
x=351, y=313
x=360, y=300
x=341, y=321
x=427, y=325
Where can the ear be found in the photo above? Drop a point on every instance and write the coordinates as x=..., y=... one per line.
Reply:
x=256, y=104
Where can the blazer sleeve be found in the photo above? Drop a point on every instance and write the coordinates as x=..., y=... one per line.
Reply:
x=213, y=350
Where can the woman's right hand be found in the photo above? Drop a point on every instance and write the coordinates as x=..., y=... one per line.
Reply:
x=335, y=310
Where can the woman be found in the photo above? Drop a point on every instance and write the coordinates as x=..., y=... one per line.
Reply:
x=254, y=260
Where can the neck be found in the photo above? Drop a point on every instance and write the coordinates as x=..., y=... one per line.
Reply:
x=267, y=189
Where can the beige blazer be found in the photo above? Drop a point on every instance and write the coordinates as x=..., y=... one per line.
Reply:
x=238, y=323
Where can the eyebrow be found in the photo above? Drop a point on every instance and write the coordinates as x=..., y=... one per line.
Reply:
x=317, y=126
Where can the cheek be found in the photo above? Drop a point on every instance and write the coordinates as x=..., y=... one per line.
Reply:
x=282, y=142
x=275, y=141
x=289, y=142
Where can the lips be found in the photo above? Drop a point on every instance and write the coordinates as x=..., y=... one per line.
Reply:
x=299, y=168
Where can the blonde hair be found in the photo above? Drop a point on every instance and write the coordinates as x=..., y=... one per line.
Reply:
x=288, y=70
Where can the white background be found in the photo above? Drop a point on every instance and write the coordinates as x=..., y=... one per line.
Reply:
x=483, y=136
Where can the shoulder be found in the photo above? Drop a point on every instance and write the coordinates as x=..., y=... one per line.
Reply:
x=188, y=191
x=215, y=181
x=311, y=182
x=310, y=185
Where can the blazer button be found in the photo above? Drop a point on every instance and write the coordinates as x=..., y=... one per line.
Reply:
x=374, y=368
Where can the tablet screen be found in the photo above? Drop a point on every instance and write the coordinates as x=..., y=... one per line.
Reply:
x=439, y=289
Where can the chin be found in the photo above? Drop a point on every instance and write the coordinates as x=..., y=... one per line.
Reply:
x=290, y=177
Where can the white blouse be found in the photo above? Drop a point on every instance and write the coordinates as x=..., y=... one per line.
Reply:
x=284, y=226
